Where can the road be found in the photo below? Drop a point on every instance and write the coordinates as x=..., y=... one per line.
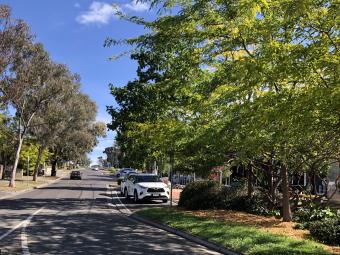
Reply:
x=81, y=217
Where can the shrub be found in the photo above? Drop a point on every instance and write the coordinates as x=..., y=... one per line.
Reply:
x=228, y=195
x=209, y=195
x=201, y=195
x=313, y=213
x=256, y=205
x=326, y=231
x=112, y=170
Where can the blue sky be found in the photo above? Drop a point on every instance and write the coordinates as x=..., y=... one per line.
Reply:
x=73, y=32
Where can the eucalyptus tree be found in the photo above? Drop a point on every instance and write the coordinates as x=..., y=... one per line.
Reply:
x=27, y=89
x=14, y=37
x=78, y=132
x=53, y=116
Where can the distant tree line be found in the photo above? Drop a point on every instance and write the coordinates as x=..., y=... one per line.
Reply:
x=43, y=113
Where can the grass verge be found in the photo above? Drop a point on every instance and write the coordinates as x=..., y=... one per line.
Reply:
x=25, y=184
x=237, y=237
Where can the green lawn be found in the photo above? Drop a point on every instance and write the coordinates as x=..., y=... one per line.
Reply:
x=240, y=238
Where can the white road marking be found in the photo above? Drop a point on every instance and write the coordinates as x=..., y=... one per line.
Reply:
x=121, y=203
x=11, y=230
x=126, y=216
x=23, y=224
x=24, y=242
x=109, y=192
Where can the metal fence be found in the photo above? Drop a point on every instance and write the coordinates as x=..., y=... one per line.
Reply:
x=180, y=180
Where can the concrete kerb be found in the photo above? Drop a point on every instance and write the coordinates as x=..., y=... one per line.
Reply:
x=33, y=188
x=193, y=238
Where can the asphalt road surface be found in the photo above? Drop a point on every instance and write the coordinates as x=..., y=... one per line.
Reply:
x=82, y=217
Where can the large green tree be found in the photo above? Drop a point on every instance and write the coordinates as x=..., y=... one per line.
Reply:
x=242, y=79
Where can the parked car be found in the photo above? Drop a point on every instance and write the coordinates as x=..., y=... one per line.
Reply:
x=121, y=172
x=95, y=168
x=146, y=187
x=123, y=182
x=123, y=175
x=41, y=172
x=75, y=175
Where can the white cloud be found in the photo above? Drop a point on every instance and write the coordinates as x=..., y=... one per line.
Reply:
x=137, y=6
x=98, y=13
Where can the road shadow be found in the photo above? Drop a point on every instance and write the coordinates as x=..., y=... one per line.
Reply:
x=81, y=188
x=89, y=227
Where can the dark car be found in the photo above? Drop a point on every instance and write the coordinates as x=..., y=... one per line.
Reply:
x=75, y=175
x=41, y=172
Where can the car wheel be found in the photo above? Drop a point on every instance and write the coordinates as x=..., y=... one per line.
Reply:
x=126, y=195
x=135, y=197
x=165, y=200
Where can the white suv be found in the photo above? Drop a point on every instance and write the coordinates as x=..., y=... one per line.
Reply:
x=147, y=187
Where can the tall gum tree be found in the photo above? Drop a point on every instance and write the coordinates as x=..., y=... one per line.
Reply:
x=53, y=117
x=27, y=89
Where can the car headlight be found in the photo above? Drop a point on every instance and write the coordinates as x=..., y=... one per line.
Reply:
x=142, y=187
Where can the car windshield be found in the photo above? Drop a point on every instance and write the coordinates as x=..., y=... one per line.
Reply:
x=147, y=178
x=76, y=172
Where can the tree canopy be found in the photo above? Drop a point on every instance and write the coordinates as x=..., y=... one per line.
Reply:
x=49, y=108
x=243, y=80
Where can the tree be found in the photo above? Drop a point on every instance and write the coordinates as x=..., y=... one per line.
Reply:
x=14, y=37
x=45, y=97
x=79, y=132
x=27, y=89
x=54, y=116
x=251, y=77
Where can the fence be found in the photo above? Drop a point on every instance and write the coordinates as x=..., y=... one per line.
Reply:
x=181, y=180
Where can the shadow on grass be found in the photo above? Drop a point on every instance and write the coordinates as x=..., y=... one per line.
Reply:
x=241, y=238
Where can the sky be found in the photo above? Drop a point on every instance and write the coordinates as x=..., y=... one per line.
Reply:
x=73, y=32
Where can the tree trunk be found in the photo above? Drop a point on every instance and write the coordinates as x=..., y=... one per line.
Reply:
x=250, y=181
x=271, y=188
x=36, y=167
x=16, y=161
x=286, y=212
x=54, y=168
x=1, y=171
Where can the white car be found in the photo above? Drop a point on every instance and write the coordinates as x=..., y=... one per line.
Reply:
x=95, y=168
x=124, y=171
x=123, y=182
x=146, y=187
